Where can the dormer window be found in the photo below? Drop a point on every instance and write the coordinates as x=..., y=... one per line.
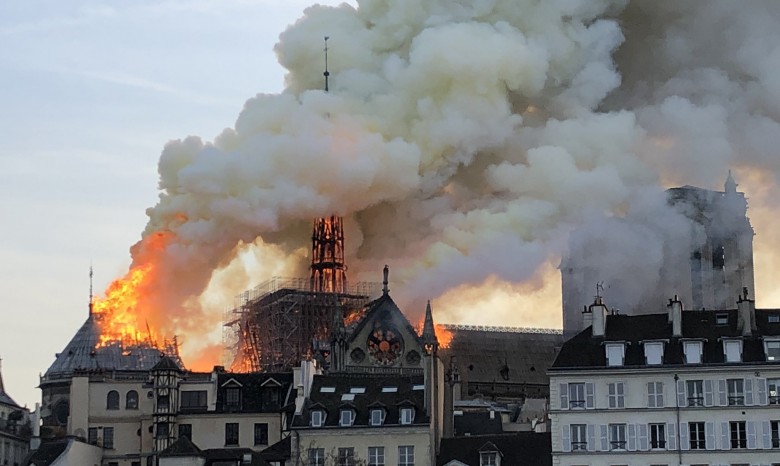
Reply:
x=692, y=352
x=407, y=416
x=346, y=418
x=377, y=416
x=721, y=319
x=654, y=353
x=774, y=318
x=488, y=458
x=615, y=354
x=233, y=396
x=732, y=350
x=317, y=418
x=772, y=350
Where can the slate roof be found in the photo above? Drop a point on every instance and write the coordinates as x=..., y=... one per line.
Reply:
x=81, y=354
x=585, y=351
x=509, y=357
x=256, y=391
x=183, y=446
x=280, y=451
x=383, y=304
x=516, y=449
x=4, y=397
x=47, y=453
x=478, y=423
x=374, y=397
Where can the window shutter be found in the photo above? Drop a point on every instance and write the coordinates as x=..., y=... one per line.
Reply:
x=681, y=401
x=650, y=397
x=722, y=400
x=565, y=437
x=591, y=437
x=766, y=427
x=751, y=435
x=684, y=443
x=564, y=396
x=621, y=403
x=589, y=398
x=643, y=437
x=709, y=439
x=761, y=390
x=604, y=438
x=708, y=393
x=749, y=392
x=725, y=440
x=632, y=437
x=671, y=442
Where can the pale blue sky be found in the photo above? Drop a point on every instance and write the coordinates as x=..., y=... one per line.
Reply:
x=90, y=92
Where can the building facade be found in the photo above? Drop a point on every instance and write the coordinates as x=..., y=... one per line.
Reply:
x=674, y=388
x=15, y=429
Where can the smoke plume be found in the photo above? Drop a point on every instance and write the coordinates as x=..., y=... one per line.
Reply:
x=462, y=142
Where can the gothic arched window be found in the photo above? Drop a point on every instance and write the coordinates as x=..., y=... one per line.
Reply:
x=112, y=400
x=131, y=400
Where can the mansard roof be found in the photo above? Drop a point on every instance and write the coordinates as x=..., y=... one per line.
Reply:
x=389, y=392
x=252, y=387
x=516, y=449
x=585, y=351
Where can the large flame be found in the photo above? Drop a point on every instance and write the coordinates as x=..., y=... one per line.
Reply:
x=125, y=314
x=443, y=335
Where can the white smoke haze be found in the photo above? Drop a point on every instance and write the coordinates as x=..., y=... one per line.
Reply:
x=463, y=141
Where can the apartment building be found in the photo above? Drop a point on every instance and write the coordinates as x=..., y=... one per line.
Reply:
x=674, y=388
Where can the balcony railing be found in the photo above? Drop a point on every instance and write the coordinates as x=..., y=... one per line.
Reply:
x=736, y=401
x=774, y=400
x=617, y=445
x=579, y=446
x=695, y=401
x=577, y=404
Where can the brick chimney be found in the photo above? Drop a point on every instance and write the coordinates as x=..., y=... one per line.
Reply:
x=746, y=319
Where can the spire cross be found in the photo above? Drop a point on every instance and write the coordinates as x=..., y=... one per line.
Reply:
x=326, y=73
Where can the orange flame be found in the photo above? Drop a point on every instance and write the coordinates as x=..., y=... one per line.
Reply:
x=443, y=335
x=123, y=314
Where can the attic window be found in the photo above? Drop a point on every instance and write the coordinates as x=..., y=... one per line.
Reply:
x=774, y=318
x=732, y=349
x=692, y=352
x=488, y=458
x=317, y=418
x=407, y=416
x=654, y=353
x=357, y=390
x=615, y=354
x=418, y=387
x=377, y=416
x=348, y=397
x=389, y=389
x=346, y=418
x=721, y=319
x=327, y=389
x=772, y=350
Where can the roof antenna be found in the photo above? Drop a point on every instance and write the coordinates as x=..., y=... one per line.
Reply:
x=326, y=73
x=90, y=289
x=599, y=291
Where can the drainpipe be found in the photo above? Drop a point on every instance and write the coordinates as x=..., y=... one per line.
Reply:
x=677, y=412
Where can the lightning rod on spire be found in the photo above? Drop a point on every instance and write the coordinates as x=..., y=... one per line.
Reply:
x=90, y=289
x=326, y=73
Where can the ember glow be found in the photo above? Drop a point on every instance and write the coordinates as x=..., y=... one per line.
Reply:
x=443, y=335
x=125, y=314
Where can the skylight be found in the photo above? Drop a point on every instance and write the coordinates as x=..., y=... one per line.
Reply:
x=348, y=397
x=389, y=389
x=357, y=390
x=327, y=389
x=418, y=387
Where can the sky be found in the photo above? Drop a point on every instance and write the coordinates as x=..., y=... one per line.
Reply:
x=90, y=93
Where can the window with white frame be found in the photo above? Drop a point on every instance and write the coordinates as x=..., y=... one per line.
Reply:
x=579, y=437
x=692, y=352
x=772, y=349
x=658, y=436
x=316, y=457
x=488, y=458
x=655, y=394
x=654, y=353
x=738, y=434
x=736, y=388
x=347, y=417
x=697, y=436
x=376, y=456
x=377, y=416
x=617, y=436
x=407, y=415
x=695, y=392
x=317, y=418
x=577, y=395
x=775, y=428
x=346, y=456
x=615, y=354
x=406, y=455
x=732, y=350
x=616, y=392
x=773, y=386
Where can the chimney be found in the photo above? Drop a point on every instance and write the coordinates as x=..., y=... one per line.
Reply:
x=587, y=318
x=747, y=314
x=598, y=313
x=675, y=316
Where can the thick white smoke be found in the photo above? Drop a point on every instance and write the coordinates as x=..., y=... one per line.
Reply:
x=462, y=141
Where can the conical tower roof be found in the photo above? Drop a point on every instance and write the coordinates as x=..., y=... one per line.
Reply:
x=429, y=332
x=82, y=353
x=4, y=398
